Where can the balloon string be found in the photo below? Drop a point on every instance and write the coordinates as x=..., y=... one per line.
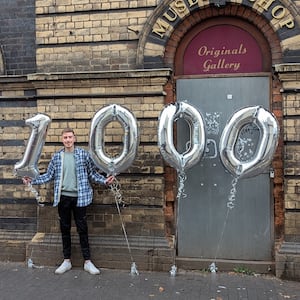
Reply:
x=36, y=194
x=230, y=205
x=116, y=189
x=181, y=194
x=182, y=178
x=213, y=267
x=231, y=198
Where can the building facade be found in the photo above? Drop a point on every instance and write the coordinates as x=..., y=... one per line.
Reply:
x=68, y=59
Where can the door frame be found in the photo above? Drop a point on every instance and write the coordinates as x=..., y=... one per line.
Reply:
x=271, y=180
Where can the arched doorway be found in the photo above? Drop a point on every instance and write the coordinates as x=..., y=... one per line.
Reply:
x=159, y=46
x=222, y=65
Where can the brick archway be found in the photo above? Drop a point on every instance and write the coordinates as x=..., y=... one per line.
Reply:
x=240, y=14
x=173, y=18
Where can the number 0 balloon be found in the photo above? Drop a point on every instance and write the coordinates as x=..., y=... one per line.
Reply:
x=268, y=140
x=116, y=165
x=113, y=166
x=180, y=161
x=172, y=112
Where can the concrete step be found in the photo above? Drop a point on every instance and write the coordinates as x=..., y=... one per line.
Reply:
x=13, y=245
x=149, y=253
x=223, y=265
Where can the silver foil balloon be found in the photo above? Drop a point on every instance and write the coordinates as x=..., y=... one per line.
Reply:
x=27, y=167
x=268, y=139
x=171, y=113
x=115, y=165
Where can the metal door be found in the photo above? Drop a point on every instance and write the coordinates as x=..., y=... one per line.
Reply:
x=206, y=227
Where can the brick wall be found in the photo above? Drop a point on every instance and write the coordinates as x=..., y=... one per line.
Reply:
x=17, y=36
x=89, y=35
x=291, y=99
x=18, y=213
x=72, y=102
x=287, y=255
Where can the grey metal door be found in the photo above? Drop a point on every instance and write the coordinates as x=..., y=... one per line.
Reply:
x=206, y=227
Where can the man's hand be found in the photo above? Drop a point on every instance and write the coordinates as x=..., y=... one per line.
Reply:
x=26, y=180
x=109, y=180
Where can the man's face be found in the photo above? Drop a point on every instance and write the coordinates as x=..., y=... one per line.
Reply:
x=68, y=139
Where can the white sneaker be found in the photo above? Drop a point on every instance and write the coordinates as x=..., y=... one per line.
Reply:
x=89, y=267
x=64, y=267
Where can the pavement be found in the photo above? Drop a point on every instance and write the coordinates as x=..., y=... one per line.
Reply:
x=18, y=281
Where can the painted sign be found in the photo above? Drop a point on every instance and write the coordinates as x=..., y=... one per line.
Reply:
x=222, y=49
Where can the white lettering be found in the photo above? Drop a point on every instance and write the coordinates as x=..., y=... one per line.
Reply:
x=160, y=27
x=265, y=4
x=171, y=18
x=278, y=12
x=179, y=9
x=289, y=23
x=221, y=64
x=204, y=51
x=180, y=6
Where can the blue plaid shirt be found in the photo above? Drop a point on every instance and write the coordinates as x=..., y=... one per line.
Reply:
x=86, y=172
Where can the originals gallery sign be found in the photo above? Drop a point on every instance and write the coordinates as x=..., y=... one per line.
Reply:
x=222, y=49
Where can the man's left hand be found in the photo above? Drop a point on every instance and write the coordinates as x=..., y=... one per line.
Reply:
x=109, y=180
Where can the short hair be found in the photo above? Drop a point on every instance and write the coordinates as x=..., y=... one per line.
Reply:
x=67, y=130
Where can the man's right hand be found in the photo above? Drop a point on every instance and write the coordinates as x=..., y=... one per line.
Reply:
x=26, y=180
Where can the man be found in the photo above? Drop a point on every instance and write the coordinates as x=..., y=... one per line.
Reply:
x=72, y=170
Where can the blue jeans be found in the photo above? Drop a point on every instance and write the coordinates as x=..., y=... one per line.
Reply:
x=66, y=207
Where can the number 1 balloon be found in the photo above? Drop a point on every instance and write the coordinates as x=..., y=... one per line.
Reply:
x=27, y=167
x=268, y=140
